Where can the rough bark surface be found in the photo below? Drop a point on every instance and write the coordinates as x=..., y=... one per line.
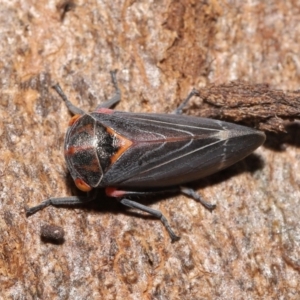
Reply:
x=248, y=248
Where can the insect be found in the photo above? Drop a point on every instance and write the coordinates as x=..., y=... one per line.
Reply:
x=130, y=153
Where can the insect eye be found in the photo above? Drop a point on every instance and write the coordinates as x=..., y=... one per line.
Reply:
x=83, y=186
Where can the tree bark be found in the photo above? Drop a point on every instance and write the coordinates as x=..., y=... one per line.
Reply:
x=248, y=248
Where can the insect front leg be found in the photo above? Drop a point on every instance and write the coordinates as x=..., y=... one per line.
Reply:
x=65, y=201
x=153, y=212
x=71, y=107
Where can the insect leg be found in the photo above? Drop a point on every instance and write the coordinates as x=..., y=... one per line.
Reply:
x=153, y=212
x=191, y=193
x=116, y=98
x=116, y=193
x=73, y=200
x=178, y=110
x=71, y=107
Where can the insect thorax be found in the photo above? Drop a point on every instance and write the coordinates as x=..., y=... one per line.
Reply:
x=89, y=147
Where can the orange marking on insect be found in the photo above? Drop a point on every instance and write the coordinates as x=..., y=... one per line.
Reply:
x=75, y=149
x=74, y=119
x=70, y=151
x=82, y=185
x=122, y=143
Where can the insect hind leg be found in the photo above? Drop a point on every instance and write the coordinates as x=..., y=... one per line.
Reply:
x=156, y=213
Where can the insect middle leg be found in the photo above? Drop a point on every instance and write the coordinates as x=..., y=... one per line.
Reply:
x=193, y=194
x=115, y=193
x=178, y=110
x=121, y=194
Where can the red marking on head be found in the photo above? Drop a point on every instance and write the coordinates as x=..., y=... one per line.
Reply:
x=74, y=119
x=114, y=192
x=104, y=110
x=82, y=185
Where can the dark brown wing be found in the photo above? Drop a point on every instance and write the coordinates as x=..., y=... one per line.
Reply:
x=171, y=149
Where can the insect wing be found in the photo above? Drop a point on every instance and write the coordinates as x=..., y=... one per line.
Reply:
x=173, y=149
